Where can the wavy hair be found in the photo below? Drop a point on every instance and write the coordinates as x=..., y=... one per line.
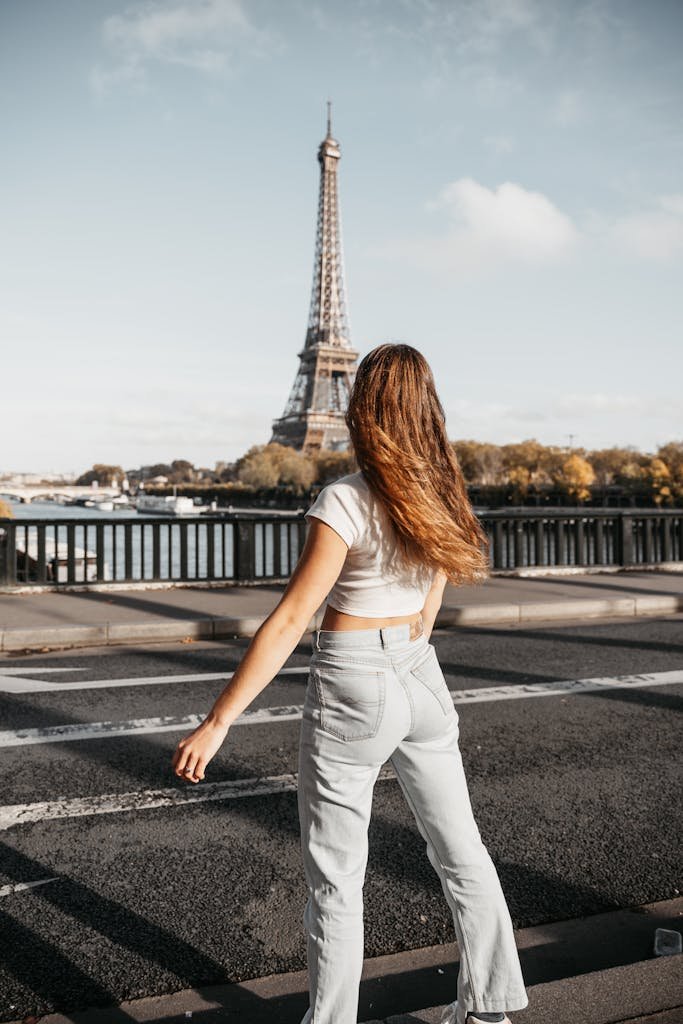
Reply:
x=398, y=431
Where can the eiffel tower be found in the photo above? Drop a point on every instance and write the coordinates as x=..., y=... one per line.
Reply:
x=314, y=414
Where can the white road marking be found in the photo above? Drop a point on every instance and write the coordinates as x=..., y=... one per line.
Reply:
x=138, y=726
x=9, y=685
x=556, y=688
x=21, y=814
x=18, y=814
x=7, y=890
x=291, y=712
x=24, y=671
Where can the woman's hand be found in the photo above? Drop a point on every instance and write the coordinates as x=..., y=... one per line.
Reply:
x=195, y=750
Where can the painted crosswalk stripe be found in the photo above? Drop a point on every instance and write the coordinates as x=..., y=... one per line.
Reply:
x=8, y=684
x=558, y=688
x=291, y=712
x=146, y=799
x=137, y=726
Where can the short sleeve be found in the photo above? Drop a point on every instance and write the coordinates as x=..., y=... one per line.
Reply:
x=338, y=507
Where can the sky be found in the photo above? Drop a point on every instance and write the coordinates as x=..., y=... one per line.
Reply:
x=511, y=200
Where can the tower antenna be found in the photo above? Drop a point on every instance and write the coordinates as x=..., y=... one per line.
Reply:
x=329, y=119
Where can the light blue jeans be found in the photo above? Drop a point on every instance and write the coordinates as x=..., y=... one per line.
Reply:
x=375, y=695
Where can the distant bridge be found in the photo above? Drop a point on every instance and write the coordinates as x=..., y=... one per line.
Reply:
x=33, y=492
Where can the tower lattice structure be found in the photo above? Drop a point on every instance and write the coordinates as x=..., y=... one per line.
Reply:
x=314, y=414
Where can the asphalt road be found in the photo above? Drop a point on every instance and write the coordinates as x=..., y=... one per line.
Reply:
x=576, y=792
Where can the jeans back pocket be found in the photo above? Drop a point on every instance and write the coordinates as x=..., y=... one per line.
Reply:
x=429, y=673
x=351, y=699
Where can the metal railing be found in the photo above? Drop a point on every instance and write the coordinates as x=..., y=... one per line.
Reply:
x=262, y=548
x=586, y=538
x=238, y=549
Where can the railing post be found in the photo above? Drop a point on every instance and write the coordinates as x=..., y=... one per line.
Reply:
x=625, y=539
x=649, y=540
x=128, y=550
x=667, y=538
x=210, y=550
x=99, y=552
x=8, y=554
x=558, y=534
x=70, y=553
x=156, y=551
x=277, y=556
x=518, y=527
x=580, y=542
x=600, y=557
x=41, y=568
x=498, y=545
x=243, y=548
x=540, y=542
x=183, y=527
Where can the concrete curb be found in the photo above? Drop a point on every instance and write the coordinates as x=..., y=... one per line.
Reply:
x=619, y=994
x=558, y=959
x=218, y=627
x=111, y=633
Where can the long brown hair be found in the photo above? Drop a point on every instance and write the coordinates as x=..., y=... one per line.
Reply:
x=398, y=431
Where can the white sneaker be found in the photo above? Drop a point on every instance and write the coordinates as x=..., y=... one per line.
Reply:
x=452, y=1015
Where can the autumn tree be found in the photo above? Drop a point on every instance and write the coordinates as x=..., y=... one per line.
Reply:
x=256, y=468
x=656, y=473
x=672, y=455
x=480, y=462
x=575, y=476
x=105, y=476
x=273, y=465
x=524, y=465
x=330, y=465
x=295, y=469
x=610, y=464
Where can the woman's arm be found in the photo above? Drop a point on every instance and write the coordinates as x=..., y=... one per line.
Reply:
x=316, y=571
x=433, y=602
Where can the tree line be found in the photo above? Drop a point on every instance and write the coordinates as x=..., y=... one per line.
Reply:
x=514, y=472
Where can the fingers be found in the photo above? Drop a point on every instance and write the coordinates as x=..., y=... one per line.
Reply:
x=188, y=765
x=193, y=753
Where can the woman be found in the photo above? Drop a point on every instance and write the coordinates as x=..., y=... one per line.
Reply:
x=381, y=545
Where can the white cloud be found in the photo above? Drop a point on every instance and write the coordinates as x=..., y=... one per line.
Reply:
x=207, y=36
x=485, y=229
x=655, y=234
x=501, y=225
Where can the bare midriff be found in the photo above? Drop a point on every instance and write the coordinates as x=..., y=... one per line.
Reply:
x=333, y=619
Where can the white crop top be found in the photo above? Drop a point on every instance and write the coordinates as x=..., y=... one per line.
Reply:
x=374, y=580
